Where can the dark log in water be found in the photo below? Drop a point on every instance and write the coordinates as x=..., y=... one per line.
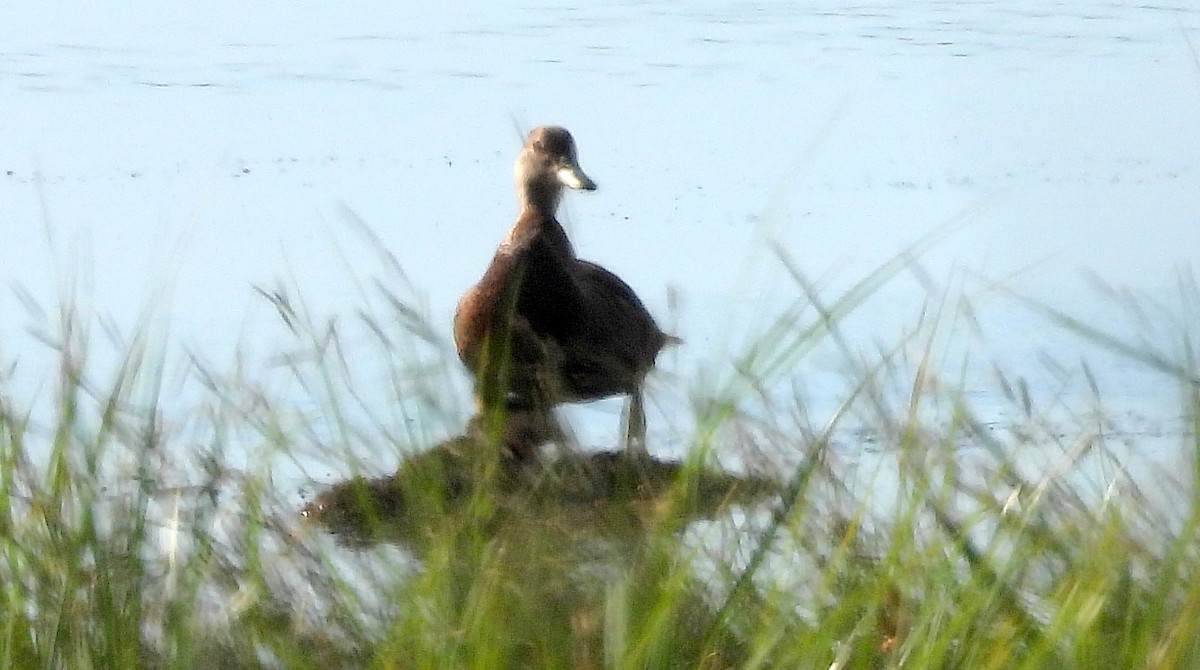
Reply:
x=465, y=480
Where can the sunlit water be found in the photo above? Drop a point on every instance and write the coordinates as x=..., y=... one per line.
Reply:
x=176, y=157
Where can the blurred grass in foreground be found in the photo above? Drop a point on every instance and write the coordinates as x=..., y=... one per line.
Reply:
x=131, y=539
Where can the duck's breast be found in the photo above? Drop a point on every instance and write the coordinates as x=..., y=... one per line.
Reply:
x=526, y=283
x=479, y=310
x=549, y=295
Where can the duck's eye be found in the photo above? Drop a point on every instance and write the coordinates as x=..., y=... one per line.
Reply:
x=539, y=145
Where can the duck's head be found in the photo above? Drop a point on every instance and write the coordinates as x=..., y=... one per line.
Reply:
x=547, y=163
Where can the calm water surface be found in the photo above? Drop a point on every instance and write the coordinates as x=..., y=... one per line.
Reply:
x=178, y=156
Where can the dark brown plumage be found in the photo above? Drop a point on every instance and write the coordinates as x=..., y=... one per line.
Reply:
x=543, y=327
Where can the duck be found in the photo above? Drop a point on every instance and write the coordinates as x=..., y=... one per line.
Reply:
x=544, y=327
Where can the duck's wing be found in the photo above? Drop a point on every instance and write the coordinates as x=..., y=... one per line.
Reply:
x=618, y=339
x=602, y=285
x=615, y=310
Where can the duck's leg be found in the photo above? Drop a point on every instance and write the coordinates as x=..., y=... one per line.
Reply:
x=519, y=427
x=519, y=410
x=506, y=405
x=487, y=424
x=634, y=418
x=548, y=393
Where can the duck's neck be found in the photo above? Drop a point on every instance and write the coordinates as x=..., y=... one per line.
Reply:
x=536, y=219
x=540, y=200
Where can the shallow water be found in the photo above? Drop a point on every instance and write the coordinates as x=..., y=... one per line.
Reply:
x=211, y=149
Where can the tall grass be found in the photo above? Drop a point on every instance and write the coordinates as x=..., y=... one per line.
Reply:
x=137, y=538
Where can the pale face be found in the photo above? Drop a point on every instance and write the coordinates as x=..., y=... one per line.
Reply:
x=549, y=161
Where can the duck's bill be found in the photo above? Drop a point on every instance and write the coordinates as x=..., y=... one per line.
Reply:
x=572, y=177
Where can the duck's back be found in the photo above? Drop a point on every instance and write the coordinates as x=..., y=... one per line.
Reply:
x=617, y=339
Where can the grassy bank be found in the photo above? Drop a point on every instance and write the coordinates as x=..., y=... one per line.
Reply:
x=133, y=538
